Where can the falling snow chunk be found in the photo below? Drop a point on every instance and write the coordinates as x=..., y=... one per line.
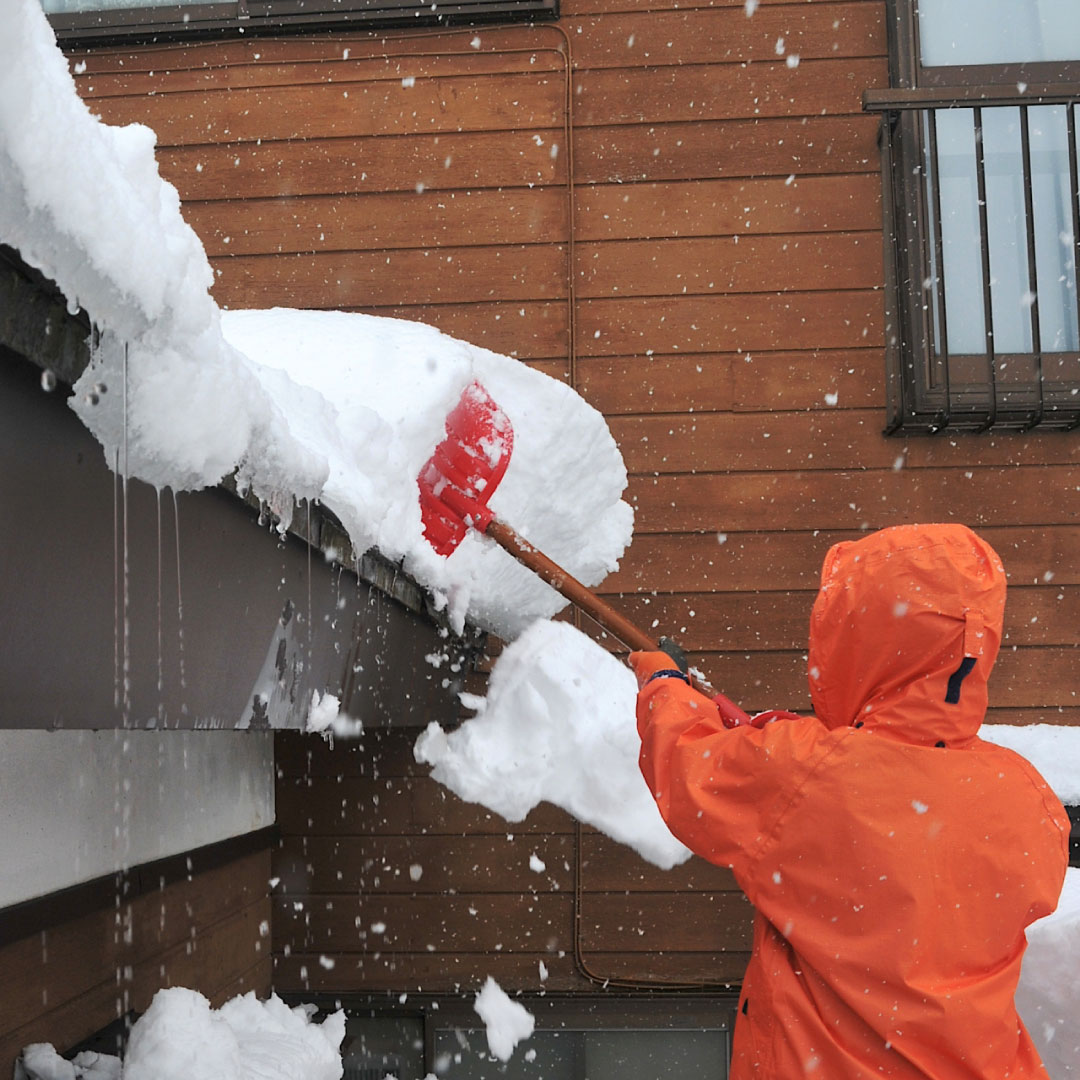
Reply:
x=557, y=726
x=536, y=864
x=507, y=1022
x=919, y=807
x=832, y=398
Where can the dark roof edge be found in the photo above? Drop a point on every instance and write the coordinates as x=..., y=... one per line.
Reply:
x=29, y=301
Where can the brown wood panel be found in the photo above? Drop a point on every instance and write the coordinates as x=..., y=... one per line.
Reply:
x=716, y=148
x=147, y=76
x=318, y=223
x=826, y=438
x=346, y=279
x=398, y=807
x=752, y=621
x=379, y=754
x=528, y=329
x=1017, y=495
x=465, y=973
x=372, y=164
x=505, y=102
x=424, y=865
x=61, y=964
x=829, y=320
x=735, y=264
x=1057, y=714
x=845, y=203
x=766, y=561
x=339, y=924
x=608, y=866
x=379, y=46
x=215, y=957
x=632, y=95
x=482, y=922
x=717, y=35
x=1029, y=678
x=705, y=382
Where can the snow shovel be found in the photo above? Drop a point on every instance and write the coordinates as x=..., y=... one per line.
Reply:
x=458, y=480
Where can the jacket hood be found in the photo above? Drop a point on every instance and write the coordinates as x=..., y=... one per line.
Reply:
x=904, y=631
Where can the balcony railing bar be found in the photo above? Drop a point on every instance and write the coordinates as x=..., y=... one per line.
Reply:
x=1033, y=281
x=939, y=261
x=984, y=254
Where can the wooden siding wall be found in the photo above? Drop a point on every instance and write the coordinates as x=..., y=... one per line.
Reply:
x=387, y=882
x=692, y=201
x=73, y=977
x=677, y=208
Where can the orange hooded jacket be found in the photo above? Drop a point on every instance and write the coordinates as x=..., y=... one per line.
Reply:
x=893, y=858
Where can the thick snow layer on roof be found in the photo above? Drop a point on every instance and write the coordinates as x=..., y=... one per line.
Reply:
x=343, y=408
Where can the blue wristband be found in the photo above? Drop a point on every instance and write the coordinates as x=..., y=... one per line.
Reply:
x=668, y=673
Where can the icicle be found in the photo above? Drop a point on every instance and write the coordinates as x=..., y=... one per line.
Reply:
x=179, y=607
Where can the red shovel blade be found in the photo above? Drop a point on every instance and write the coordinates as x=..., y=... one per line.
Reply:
x=465, y=469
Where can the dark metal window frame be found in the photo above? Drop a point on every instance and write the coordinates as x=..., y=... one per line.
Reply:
x=248, y=17
x=921, y=398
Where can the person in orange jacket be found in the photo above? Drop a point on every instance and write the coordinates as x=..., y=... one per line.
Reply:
x=893, y=858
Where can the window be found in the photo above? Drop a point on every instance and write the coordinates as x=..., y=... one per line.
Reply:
x=101, y=21
x=980, y=164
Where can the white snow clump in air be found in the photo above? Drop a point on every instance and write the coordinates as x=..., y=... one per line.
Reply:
x=326, y=718
x=507, y=1022
x=41, y=1061
x=180, y=1036
x=1048, y=997
x=342, y=408
x=557, y=725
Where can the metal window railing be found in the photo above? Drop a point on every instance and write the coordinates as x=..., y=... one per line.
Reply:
x=982, y=214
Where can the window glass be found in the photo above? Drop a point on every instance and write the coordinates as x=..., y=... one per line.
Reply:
x=1012, y=293
x=953, y=32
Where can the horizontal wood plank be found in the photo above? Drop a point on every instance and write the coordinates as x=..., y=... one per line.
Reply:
x=371, y=164
x=398, y=807
x=689, y=91
x=424, y=219
x=737, y=264
x=827, y=438
x=507, y=102
x=338, y=280
x=722, y=34
x=340, y=924
x=424, y=865
x=707, y=382
x=844, y=203
x=795, y=320
x=709, y=149
x=1046, y=495
x=768, y=561
x=467, y=972
x=756, y=621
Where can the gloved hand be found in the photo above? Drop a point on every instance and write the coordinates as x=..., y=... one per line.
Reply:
x=676, y=652
x=647, y=664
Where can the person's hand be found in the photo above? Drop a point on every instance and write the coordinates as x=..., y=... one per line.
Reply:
x=676, y=652
x=646, y=665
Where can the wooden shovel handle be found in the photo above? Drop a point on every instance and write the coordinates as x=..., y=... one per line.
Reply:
x=621, y=628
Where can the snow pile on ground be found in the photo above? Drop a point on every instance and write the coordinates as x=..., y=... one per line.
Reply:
x=507, y=1022
x=1052, y=748
x=180, y=1036
x=1048, y=997
x=337, y=407
x=40, y=1061
x=557, y=726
